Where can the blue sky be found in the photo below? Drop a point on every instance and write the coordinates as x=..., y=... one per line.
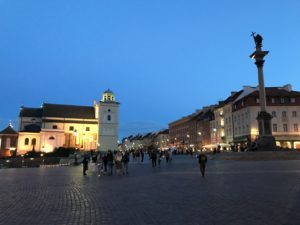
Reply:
x=163, y=59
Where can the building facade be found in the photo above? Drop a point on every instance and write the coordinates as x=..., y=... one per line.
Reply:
x=8, y=141
x=53, y=125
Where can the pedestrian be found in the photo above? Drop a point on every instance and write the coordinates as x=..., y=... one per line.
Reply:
x=202, y=160
x=153, y=158
x=167, y=156
x=118, y=162
x=105, y=162
x=125, y=161
x=170, y=155
x=142, y=155
x=85, y=164
x=160, y=156
x=110, y=162
x=100, y=164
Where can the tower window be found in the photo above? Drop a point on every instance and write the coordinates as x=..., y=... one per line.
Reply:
x=26, y=142
x=109, y=117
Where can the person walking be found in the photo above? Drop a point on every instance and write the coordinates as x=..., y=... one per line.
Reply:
x=110, y=162
x=160, y=156
x=202, y=160
x=167, y=156
x=85, y=163
x=153, y=158
x=125, y=161
x=142, y=155
x=118, y=162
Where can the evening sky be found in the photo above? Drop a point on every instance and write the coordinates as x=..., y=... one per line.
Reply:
x=163, y=58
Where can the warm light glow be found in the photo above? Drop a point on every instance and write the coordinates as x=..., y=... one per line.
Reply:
x=254, y=131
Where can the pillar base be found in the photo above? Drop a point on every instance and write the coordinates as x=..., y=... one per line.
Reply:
x=266, y=143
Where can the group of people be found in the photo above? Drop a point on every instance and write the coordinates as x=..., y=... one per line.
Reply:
x=157, y=156
x=108, y=163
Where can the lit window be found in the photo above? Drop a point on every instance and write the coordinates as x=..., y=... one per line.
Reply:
x=294, y=113
x=285, y=127
x=26, y=142
x=274, y=114
x=283, y=113
x=274, y=127
x=296, y=127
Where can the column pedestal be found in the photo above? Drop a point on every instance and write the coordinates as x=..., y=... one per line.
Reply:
x=265, y=140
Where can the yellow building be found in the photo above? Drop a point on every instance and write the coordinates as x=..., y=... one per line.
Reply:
x=54, y=125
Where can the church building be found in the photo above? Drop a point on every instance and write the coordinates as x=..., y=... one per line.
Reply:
x=82, y=127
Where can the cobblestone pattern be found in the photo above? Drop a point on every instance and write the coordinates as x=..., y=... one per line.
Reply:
x=233, y=192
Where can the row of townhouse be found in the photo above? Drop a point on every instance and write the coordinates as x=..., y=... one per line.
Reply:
x=233, y=121
x=158, y=140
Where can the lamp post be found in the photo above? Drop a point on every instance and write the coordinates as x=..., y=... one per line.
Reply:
x=200, y=141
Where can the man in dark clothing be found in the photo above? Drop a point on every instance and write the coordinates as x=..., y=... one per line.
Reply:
x=202, y=159
x=110, y=159
x=153, y=158
x=125, y=160
x=85, y=163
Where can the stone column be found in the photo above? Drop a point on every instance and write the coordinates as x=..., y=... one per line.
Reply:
x=265, y=141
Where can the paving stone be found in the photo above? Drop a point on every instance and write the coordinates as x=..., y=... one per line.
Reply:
x=233, y=192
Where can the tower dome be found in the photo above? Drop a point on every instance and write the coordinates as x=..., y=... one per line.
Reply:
x=108, y=96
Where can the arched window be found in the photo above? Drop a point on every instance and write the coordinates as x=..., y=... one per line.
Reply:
x=109, y=117
x=51, y=138
x=26, y=142
x=33, y=141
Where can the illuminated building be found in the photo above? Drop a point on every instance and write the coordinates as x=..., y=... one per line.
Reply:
x=82, y=127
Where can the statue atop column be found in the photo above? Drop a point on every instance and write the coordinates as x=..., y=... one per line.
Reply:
x=257, y=39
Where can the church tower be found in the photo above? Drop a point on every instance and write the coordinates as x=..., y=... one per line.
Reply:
x=108, y=122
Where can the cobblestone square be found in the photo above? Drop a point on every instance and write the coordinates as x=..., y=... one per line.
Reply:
x=233, y=192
